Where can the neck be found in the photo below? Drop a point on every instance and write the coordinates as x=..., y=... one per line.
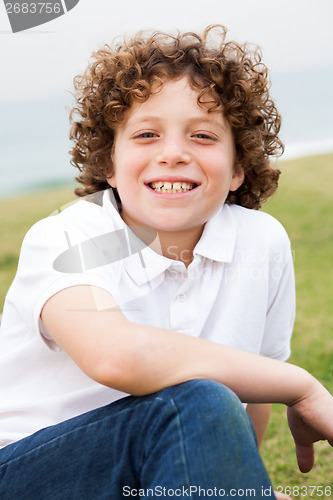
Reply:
x=176, y=245
x=179, y=245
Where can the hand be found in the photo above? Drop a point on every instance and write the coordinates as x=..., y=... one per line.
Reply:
x=311, y=419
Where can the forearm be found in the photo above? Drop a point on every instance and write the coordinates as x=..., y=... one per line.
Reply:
x=139, y=360
x=159, y=358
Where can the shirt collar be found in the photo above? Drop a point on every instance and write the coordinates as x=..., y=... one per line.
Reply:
x=218, y=239
x=217, y=243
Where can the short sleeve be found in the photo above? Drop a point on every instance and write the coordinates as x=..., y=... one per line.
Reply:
x=37, y=278
x=281, y=305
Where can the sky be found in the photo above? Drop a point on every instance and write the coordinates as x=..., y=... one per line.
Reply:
x=293, y=34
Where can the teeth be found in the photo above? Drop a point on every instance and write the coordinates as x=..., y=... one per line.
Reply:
x=172, y=187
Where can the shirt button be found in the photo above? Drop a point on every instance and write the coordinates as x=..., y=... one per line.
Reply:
x=181, y=297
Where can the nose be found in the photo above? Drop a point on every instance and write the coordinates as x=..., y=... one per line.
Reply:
x=173, y=152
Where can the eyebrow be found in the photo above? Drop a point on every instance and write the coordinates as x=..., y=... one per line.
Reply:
x=207, y=120
x=193, y=120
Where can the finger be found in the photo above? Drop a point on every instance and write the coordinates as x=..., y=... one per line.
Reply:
x=305, y=456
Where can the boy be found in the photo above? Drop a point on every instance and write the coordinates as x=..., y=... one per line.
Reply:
x=165, y=287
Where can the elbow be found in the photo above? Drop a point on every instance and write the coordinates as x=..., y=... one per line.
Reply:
x=119, y=374
x=124, y=368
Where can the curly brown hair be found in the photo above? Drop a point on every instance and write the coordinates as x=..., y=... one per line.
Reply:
x=232, y=74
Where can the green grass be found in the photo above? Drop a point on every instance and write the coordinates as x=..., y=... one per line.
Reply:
x=304, y=206
x=17, y=215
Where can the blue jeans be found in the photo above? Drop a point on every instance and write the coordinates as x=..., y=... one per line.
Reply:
x=193, y=440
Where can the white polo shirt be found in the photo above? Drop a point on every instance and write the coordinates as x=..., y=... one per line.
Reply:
x=238, y=290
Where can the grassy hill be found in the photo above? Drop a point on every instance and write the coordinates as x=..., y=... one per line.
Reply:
x=304, y=205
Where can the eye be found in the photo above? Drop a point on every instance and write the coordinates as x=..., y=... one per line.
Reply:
x=146, y=135
x=205, y=137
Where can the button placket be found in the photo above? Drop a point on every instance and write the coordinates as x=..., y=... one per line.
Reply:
x=181, y=297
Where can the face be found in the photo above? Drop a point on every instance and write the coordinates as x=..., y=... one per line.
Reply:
x=173, y=161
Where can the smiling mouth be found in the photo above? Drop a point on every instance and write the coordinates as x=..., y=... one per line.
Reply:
x=172, y=187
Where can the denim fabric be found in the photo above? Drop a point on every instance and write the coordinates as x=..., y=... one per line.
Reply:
x=193, y=440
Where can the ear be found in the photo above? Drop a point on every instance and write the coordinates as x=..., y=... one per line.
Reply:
x=238, y=177
x=111, y=175
x=111, y=171
x=112, y=180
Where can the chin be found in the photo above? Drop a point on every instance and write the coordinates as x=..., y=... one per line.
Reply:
x=170, y=227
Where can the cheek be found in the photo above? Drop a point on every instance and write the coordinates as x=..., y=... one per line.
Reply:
x=125, y=180
x=219, y=171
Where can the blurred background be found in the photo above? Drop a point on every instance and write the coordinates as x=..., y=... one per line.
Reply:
x=38, y=66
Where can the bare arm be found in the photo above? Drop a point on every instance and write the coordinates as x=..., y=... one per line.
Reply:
x=259, y=415
x=141, y=360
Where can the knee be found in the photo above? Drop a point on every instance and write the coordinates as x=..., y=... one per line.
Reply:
x=208, y=398
x=210, y=391
x=210, y=409
x=204, y=391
